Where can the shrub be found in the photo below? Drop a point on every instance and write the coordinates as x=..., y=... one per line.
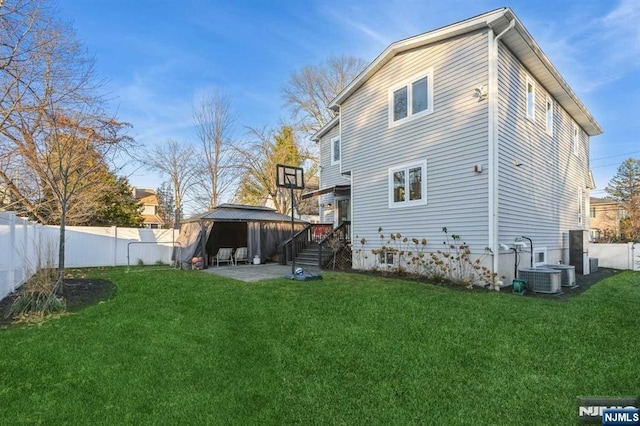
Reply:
x=38, y=298
x=411, y=256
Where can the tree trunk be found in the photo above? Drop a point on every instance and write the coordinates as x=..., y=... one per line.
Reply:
x=61, y=250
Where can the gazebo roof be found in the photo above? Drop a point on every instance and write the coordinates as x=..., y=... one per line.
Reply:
x=241, y=213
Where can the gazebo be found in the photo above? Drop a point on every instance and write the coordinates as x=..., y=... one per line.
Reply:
x=261, y=229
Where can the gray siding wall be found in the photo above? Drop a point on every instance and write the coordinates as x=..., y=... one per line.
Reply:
x=452, y=140
x=329, y=175
x=538, y=199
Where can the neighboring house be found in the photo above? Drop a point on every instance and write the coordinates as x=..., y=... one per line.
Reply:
x=468, y=127
x=605, y=216
x=149, y=207
x=308, y=210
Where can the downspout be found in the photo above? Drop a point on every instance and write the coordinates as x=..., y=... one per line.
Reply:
x=493, y=144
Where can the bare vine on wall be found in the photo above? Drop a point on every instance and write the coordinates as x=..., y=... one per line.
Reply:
x=411, y=256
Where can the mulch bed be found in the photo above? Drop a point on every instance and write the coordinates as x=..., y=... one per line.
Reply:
x=78, y=293
x=583, y=283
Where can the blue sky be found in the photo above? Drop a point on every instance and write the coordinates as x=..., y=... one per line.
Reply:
x=157, y=56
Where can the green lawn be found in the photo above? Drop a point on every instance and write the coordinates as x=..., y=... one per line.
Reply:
x=183, y=347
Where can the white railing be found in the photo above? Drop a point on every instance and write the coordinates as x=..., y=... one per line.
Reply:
x=617, y=256
x=24, y=245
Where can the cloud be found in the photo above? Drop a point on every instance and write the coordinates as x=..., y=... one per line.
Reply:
x=358, y=26
x=592, y=51
x=621, y=29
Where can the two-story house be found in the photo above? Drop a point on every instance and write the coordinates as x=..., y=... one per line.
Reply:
x=468, y=127
x=605, y=219
x=149, y=205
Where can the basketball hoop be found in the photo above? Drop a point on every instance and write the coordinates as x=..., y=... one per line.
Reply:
x=293, y=178
x=289, y=177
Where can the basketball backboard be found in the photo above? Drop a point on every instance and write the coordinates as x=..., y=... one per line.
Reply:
x=289, y=177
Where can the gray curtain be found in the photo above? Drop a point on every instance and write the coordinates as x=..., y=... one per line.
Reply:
x=191, y=239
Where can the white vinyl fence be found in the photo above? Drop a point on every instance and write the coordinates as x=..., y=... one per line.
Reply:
x=24, y=245
x=19, y=245
x=617, y=256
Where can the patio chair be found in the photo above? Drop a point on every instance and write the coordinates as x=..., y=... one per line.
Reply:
x=224, y=256
x=240, y=255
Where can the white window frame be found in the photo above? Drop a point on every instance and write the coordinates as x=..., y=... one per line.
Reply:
x=382, y=259
x=407, y=83
x=580, y=206
x=536, y=252
x=531, y=112
x=576, y=140
x=405, y=167
x=549, y=115
x=333, y=141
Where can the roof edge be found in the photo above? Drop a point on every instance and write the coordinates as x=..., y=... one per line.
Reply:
x=494, y=20
x=442, y=33
x=325, y=129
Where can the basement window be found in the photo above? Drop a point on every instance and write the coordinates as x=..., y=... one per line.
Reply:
x=385, y=258
x=539, y=256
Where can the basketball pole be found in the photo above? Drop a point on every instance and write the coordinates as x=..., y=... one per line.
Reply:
x=293, y=243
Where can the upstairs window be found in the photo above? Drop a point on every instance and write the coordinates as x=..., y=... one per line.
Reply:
x=407, y=185
x=592, y=212
x=531, y=100
x=336, y=151
x=576, y=139
x=411, y=99
x=549, y=116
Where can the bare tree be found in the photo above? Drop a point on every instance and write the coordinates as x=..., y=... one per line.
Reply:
x=56, y=141
x=72, y=165
x=179, y=163
x=311, y=88
x=215, y=122
x=258, y=183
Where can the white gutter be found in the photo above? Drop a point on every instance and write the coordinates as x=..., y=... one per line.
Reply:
x=493, y=145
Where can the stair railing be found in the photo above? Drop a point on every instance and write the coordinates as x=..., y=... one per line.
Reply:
x=340, y=235
x=313, y=232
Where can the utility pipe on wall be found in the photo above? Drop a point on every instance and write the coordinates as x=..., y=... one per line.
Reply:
x=493, y=142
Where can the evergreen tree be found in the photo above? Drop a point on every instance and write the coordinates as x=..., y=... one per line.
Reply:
x=624, y=187
x=166, y=204
x=118, y=205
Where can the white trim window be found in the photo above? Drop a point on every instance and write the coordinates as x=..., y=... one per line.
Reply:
x=549, y=116
x=580, y=207
x=336, y=151
x=408, y=185
x=385, y=258
x=411, y=99
x=531, y=99
x=539, y=256
x=576, y=139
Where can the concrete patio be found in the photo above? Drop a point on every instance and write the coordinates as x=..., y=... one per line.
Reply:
x=253, y=273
